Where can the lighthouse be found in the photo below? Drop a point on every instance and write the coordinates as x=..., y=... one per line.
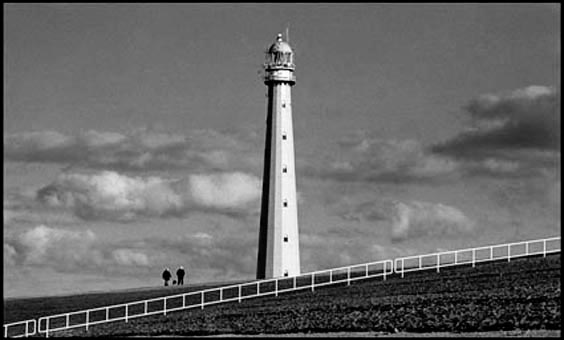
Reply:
x=279, y=246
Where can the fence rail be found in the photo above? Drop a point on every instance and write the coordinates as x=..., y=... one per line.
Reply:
x=472, y=256
x=23, y=326
x=199, y=299
x=238, y=292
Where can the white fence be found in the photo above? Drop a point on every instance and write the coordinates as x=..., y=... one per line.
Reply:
x=199, y=299
x=472, y=256
x=22, y=328
x=238, y=292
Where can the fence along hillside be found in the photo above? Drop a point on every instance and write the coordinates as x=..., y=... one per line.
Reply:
x=520, y=295
x=308, y=281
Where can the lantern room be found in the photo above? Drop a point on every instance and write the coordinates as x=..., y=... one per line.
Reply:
x=279, y=55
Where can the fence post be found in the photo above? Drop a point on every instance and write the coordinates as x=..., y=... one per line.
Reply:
x=220, y=294
x=312, y=282
x=87, y=319
x=26, y=328
x=295, y=286
x=184, y=301
x=402, y=267
x=508, y=252
x=456, y=257
x=202, y=300
x=385, y=270
x=366, y=270
x=146, y=308
x=544, y=247
x=330, y=275
x=491, y=253
x=126, y=312
x=438, y=263
x=419, y=258
x=240, y=294
x=164, y=309
x=107, y=314
x=47, y=328
x=258, y=288
x=276, y=288
x=348, y=276
x=66, y=322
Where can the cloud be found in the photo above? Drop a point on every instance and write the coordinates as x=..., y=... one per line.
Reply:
x=224, y=190
x=407, y=220
x=370, y=159
x=418, y=219
x=67, y=250
x=22, y=208
x=9, y=255
x=227, y=253
x=138, y=150
x=128, y=257
x=527, y=118
x=108, y=195
x=513, y=135
x=111, y=195
x=43, y=244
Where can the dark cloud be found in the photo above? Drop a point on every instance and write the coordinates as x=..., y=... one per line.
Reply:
x=407, y=220
x=527, y=118
x=140, y=150
x=364, y=158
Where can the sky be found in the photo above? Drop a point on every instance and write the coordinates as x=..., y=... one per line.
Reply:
x=134, y=135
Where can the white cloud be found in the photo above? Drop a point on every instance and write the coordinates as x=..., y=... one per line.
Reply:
x=128, y=257
x=416, y=219
x=112, y=196
x=109, y=193
x=43, y=244
x=224, y=190
x=9, y=254
x=68, y=250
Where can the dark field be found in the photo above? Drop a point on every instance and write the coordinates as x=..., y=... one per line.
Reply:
x=30, y=308
x=523, y=294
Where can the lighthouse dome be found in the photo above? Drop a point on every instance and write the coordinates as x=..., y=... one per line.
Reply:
x=280, y=46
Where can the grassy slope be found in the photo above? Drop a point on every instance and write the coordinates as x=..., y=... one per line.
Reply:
x=17, y=309
x=523, y=294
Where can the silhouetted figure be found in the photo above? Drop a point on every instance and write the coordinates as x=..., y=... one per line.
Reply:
x=180, y=274
x=166, y=276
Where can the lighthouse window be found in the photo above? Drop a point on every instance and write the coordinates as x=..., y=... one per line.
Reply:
x=285, y=203
x=283, y=104
x=286, y=273
x=284, y=136
x=284, y=169
x=285, y=238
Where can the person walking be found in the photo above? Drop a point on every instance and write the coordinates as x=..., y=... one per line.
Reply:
x=166, y=276
x=180, y=274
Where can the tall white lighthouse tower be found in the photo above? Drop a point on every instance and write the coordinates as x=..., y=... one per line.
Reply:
x=279, y=246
